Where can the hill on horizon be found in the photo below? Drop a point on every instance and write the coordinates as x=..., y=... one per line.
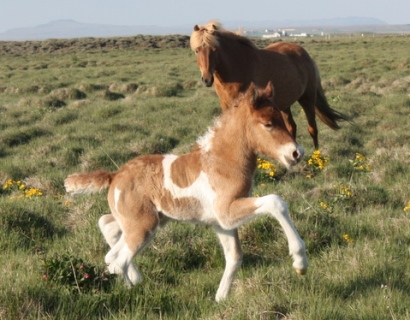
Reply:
x=65, y=29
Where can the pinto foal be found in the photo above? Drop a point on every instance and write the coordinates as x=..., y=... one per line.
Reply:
x=210, y=185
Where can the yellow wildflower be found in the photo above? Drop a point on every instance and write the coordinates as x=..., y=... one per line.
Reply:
x=317, y=161
x=67, y=203
x=360, y=163
x=266, y=166
x=345, y=191
x=407, y=207
x=347, y=238
x=8, y=184
x=324, y=205
x=360, y=157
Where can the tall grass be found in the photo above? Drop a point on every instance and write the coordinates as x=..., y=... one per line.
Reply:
x=79, y=111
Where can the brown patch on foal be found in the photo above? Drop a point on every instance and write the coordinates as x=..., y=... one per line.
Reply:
x=186, y=169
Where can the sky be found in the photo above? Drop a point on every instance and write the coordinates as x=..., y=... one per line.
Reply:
x=30, y=13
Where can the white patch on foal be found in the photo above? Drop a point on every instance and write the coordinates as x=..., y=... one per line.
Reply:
x=200, y=190
x=117, y=193
x=205, y=142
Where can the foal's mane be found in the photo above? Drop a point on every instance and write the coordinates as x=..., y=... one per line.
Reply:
x=211, y=34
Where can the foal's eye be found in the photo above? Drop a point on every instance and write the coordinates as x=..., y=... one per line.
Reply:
x=268, y=125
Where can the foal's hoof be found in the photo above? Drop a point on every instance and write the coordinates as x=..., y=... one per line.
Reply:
x=301, y=271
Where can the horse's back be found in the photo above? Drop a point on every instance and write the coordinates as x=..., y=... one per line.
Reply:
x=289, y=54
x=287, y=48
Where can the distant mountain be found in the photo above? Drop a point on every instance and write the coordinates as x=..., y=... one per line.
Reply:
x=63, y=29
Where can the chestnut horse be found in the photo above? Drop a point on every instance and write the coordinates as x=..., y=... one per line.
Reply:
x=211, y=185
x=232, y=61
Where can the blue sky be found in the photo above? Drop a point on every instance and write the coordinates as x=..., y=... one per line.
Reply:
x=30, y=13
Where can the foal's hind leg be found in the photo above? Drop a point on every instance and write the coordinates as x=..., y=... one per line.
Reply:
x=138, y=231
x=112, y=233
x=233, y=259
x=110, y=229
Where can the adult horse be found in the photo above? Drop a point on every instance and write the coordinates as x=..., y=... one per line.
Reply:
x=232, y=62
x=210, y=185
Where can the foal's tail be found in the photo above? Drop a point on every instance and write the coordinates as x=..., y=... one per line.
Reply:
x=81, y=183
x=323, y=110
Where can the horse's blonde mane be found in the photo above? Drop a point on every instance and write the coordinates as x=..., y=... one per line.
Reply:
x=203, y=36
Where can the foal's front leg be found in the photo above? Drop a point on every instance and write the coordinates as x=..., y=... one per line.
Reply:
x=245, y=209
x=275, y=206
x=233, y=258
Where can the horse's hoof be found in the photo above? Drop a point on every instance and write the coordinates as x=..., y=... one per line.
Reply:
x=301, y=271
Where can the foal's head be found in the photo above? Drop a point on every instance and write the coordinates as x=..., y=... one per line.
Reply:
x=263, y=125
x=204, y=43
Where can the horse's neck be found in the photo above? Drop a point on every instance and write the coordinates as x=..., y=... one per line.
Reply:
x=235, y=58
x=233, y=70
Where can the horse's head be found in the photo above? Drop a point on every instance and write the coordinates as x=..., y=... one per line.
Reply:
x=204, y=43
x=264, y=125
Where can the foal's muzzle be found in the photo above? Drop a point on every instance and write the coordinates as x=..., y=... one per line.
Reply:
x=295, y=156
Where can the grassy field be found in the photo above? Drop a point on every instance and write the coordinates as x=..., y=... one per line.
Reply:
x=87, y=109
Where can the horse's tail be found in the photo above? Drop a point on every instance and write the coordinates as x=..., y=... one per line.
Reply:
x=325, y=113
x=82, y=183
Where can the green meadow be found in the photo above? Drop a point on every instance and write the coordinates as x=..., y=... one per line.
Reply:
x=66, y=111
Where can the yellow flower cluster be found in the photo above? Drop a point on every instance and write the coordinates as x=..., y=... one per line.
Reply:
x=360, y=163
x=344, y=192
x=347, y=238
x=10, y=183
x=266, y=166
x=407, y=207
x=318, y=161
x=324, y=205
x=22, y=189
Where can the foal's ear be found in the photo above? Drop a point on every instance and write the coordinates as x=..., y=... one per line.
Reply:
x=268, y=92
x=252, y=94
x=196, y=28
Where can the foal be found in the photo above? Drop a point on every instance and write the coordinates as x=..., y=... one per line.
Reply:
x=210, y=185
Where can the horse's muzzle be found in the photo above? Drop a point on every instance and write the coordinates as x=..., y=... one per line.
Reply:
x=208, y=81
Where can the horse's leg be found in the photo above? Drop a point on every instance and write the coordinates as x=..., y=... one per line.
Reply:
x=233, y=258
x=245, y=209
x=289, y=122
x=308, y=104
x=137, y=233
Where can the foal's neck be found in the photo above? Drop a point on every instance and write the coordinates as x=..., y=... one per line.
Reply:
x=228, y=145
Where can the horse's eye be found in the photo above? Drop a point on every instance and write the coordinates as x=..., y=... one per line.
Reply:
x=268, y=125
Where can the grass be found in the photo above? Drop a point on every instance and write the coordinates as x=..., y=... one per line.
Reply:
x=78, y=110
